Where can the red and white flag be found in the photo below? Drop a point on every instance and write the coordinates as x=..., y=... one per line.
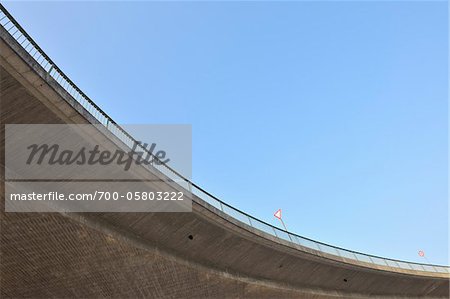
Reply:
x=278, y=214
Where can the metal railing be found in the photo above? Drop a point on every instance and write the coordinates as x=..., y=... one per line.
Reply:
x=29, y=45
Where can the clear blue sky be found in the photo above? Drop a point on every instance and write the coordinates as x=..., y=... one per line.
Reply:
x=335, y=112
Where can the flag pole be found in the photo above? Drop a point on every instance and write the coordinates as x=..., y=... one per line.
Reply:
x=278, y=215
x=426, y=259
x=284, y=225
x=423, y=255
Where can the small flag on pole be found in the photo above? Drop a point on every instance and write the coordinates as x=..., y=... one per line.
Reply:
x=278, y=214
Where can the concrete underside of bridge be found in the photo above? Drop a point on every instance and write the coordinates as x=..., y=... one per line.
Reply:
x=150, y=254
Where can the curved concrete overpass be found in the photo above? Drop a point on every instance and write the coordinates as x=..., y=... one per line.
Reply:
x=215, y=251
